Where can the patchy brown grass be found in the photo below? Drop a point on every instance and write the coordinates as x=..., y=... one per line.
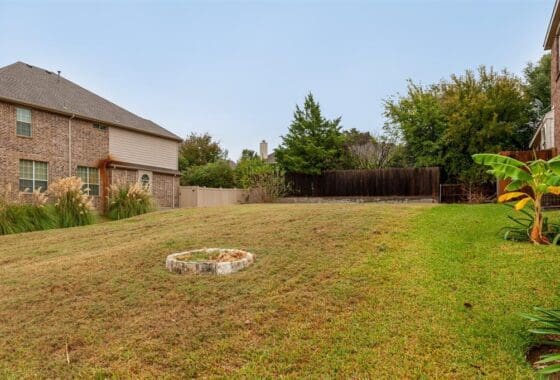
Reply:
x=336, y=291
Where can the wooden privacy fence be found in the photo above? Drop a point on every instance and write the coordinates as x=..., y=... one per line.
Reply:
x=392, y=182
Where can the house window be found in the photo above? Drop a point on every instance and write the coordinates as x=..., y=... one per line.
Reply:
x=145, y=181
x=90, y=178
x=33, y=175
x=101, y=127
x=23, y=122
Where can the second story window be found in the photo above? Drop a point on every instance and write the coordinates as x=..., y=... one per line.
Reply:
x=90, y=178
x=23, y=123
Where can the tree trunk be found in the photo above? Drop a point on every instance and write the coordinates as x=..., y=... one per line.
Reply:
x=536, y=232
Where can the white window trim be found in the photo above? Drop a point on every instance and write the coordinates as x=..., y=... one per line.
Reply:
x=88, y=183
x=30, y=122
x=33, y=175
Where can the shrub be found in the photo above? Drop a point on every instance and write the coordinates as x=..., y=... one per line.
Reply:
x=73, y=206
x=125, y=201
x=214, y=174
x=16, y=217
x=41, y=215
x=246, y=167
x=12, y=219
x=268, y=183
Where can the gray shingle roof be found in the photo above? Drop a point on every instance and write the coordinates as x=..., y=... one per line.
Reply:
x=23, y=83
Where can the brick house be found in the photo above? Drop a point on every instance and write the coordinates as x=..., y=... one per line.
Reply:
x=52, y=128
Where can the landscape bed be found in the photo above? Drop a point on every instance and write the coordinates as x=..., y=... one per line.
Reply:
x=338, y=290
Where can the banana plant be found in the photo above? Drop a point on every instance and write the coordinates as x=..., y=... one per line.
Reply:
x=529, y=183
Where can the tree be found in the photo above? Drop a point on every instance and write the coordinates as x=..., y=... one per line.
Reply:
x=313, y=143
x=363, y=151
x=537, y=78
x=445, y=123
x=213, y=174
x=266, y=181
x=199, y=149
x=248, y=164
x=248, y=153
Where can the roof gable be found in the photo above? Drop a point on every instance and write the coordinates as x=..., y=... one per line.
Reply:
x=552, y=27
x=23, y=83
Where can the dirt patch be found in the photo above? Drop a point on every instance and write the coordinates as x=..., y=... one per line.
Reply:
x=215, y=257
x=534, y=355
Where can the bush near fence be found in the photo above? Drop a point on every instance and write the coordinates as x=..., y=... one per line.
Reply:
x=461, y=193
x=390, y=182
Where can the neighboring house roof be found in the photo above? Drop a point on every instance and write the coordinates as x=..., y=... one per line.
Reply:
x=33, y=86
x=552, y=26
x=271, y=159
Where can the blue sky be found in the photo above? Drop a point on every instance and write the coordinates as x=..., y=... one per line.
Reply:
x=237, y=69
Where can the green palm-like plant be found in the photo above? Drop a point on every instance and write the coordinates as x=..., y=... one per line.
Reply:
x=540, y=176
x=549, y=321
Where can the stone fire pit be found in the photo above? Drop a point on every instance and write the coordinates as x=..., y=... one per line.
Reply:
x=209, y=260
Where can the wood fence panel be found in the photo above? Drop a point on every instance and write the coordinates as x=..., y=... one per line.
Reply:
x=392, y=182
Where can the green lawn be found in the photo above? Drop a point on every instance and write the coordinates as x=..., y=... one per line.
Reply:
x=338, y=290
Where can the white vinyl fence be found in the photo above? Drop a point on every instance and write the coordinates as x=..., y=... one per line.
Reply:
x=195, y=196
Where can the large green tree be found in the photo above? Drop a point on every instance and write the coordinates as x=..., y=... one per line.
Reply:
x=213, y=174
x=313, y=143
x=537, y=78
x=445, y=123
x=200, y=149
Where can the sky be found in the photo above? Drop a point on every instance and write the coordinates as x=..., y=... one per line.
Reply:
x=237, y=69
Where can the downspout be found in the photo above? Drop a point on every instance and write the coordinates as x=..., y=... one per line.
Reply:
x=177, y=190
x=105, y=182
x=70, y=145
x=173, y=186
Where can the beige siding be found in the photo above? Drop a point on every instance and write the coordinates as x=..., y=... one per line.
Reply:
x=141, y=149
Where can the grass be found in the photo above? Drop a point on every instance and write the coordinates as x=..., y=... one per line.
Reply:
x=345, y=290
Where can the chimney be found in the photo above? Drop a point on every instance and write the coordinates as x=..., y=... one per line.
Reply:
x=264, y=149
x=58, y=78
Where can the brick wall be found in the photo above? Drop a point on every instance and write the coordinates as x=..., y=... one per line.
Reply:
x=165, y=187
x=49, y=143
